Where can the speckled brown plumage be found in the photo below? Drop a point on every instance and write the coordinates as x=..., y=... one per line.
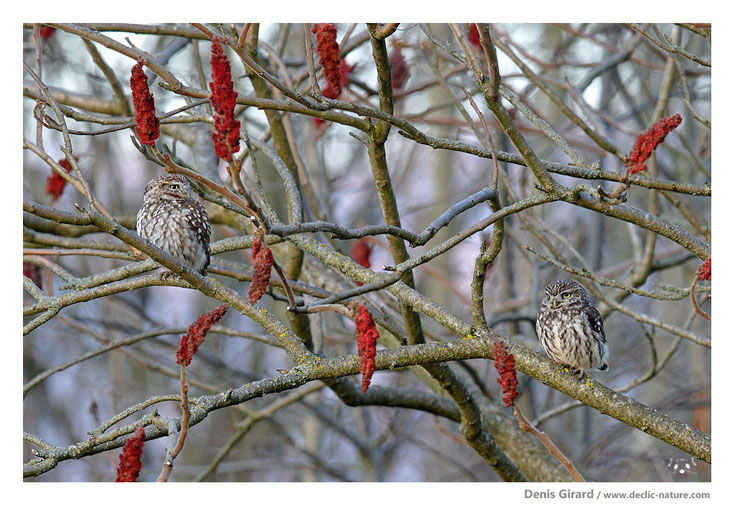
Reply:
x=174, y=222
x=570, y=329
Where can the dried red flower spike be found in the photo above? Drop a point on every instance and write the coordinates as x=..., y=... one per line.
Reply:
x=261, y=272
x=197, y=332
x=226, y=134
x=344, y=78
x=55, y=183
x=328, y=90
x=704, y=271
x=146, y=122
x=647, y=142
x=129, y=467
x=328, y=50
x=367, y=339
x=46, y=32
x=399, y=70
x=345, y=69
x=256, y=246
x=360, y=252
x=474, y=35
x=33, y=272
x=505, y=364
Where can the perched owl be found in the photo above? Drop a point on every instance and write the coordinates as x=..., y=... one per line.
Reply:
x=174, y=222
x=570, y=329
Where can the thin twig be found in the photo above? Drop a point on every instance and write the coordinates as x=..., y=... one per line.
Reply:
x=37, y=47
x=310, y=61
x=488, y=139
x=334, y=308
x=286, y=286
x=548, y=443
x=385, y=31
x=491, y=59
x=81, y=183
x=693, y=296
x=168, y=463
x=669, y=46
x=243, y=34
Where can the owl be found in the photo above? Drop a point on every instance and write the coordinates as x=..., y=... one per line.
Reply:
x=174, y=222
x=570, y=329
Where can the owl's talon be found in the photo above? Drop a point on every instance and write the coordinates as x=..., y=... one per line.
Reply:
x=577, y=371
x=168, y=275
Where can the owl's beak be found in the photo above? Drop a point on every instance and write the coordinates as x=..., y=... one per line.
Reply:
x=553, y=303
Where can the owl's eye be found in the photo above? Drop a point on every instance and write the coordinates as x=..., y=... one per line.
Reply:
x=173, y=186
x=566, y=295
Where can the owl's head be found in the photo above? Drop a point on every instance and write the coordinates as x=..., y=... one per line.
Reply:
x=167, y=187
x=564, y=293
